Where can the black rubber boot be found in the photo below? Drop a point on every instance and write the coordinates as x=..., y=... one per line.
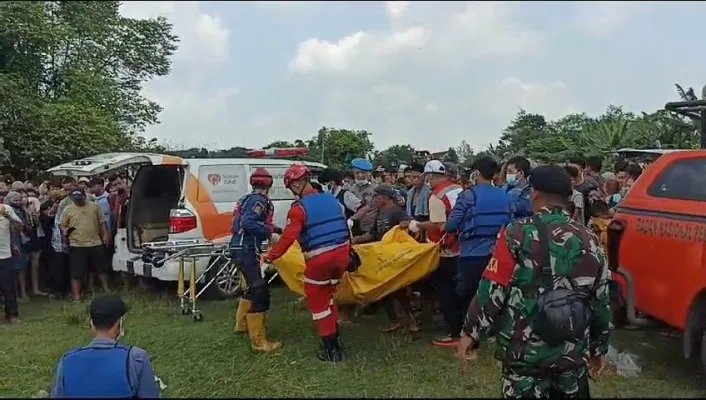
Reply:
x=330, y=350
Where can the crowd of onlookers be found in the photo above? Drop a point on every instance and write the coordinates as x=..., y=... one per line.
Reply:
x=56, y=236
x=596, y=193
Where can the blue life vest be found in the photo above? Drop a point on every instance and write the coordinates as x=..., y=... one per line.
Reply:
x=325, y=223
x=97, y=372
x=489, y=214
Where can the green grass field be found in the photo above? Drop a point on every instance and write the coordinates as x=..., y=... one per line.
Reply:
x=207, y=359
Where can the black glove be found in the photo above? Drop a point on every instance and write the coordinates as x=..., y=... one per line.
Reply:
x=277, y=230
x=354, y=262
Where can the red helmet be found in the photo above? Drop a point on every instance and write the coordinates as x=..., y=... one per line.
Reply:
x=260, y=177
x=296, y=172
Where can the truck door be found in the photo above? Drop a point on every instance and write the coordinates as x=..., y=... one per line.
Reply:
x=669, y=240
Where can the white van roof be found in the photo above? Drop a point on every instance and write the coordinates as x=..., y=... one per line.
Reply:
x=257, y=161
x=103, y=163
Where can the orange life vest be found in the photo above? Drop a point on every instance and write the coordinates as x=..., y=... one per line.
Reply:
x=447, y=192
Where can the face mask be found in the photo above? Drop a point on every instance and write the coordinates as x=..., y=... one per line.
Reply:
x=362, y=182
x=511, y=179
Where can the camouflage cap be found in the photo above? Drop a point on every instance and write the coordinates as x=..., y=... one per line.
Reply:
x=551, y=179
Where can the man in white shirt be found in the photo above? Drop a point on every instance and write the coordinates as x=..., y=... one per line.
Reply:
x=8, y=221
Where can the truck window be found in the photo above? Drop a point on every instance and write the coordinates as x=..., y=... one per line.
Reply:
x=224, y=183
x=682, y=180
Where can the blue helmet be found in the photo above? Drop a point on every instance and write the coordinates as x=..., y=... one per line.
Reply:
x=361, y=164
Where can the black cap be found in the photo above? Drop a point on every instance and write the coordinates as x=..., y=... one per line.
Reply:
x=551, y=179
x=107, y=310
x=385, y=190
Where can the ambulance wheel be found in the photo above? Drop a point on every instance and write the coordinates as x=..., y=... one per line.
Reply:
x=226, y=284
x=198, y=317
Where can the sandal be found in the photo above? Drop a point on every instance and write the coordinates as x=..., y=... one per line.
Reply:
x=446, y=341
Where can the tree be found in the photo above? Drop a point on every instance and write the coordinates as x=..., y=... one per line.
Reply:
x=465, y=154
x=523, y=130
x=4, y=154
x=580, y=135
x=667, y=130
x=689, y=95
x=71, y=79
x=450, y=156
x=279, y=144
x=337, y=147
x=285, y=144
x=395, y=155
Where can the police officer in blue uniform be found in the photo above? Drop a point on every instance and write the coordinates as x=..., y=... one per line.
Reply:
x=518, y=188
x=252, y=225
x=479, y=214
x=105, y=368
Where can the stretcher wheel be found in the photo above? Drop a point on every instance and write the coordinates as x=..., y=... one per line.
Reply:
x=198, y=317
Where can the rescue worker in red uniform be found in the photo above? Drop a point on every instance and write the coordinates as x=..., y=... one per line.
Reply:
x=318, y=223
x=252, y=225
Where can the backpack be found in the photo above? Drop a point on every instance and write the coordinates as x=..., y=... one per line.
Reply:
x=561, y=314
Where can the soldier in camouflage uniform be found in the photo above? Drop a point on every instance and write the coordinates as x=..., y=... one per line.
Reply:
x=505, y=303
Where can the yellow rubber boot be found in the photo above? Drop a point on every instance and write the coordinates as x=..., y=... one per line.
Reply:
x=241, y=322
x=258, y=334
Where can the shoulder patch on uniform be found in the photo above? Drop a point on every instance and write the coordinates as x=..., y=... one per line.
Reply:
x=502, y=265
x=258, y=209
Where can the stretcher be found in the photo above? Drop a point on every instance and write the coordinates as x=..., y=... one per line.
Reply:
x=189, y=251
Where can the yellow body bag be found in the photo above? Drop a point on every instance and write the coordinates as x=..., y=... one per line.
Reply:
x=387, y=266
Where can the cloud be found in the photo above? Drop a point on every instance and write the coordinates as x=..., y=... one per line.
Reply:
x=395, y=9
x=480, y=30
x=285, y=4
x=601, y=18
x=491, y=31
x=190, y=104
x=410, y=81
x=429, y=74
x=359, y=52
x=507, y=97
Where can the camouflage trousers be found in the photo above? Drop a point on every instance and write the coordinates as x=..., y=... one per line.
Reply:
x=569, y=384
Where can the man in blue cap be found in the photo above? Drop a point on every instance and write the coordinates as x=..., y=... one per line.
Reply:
x=105, y=368
x=364, y=188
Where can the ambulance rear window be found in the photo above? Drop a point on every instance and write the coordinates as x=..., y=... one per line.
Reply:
x=682, y=180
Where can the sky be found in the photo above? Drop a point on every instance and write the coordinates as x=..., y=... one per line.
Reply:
x=428, y=74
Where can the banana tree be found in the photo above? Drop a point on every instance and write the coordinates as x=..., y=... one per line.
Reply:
x=689, y=95
x=605, y=136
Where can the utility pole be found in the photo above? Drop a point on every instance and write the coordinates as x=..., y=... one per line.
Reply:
x=693, y=109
